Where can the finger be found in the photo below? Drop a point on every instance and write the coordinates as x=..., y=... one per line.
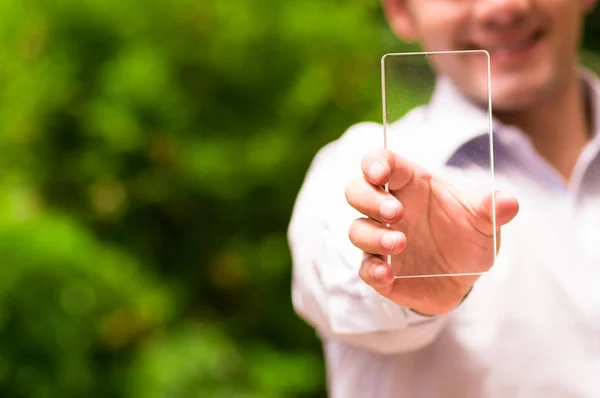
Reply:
x=372, y=237
x=382, y=167
x=375, y=167
x=373, y=201
x=375, y=272
x=506, y=207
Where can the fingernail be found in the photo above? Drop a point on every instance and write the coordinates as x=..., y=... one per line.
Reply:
x=389, y=209
x=379, y=273
x=389, y=240
x=376, y=170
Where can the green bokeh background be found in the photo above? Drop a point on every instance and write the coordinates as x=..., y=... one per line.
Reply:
x=150, y=155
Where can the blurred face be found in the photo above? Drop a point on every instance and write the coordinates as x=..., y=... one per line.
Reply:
x=532, y=44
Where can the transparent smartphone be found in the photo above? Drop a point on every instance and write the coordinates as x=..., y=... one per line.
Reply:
x=428, y=121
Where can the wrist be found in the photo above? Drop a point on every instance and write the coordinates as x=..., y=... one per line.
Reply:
x=432, y=315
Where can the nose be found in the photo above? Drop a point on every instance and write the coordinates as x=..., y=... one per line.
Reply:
x=501, y=13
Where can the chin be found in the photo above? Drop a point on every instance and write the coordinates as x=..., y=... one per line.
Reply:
x=509, y=103
x=514, y=95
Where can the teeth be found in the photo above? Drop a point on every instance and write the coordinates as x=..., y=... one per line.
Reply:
x=507, y=48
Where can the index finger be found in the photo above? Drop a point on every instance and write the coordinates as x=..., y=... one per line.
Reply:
x=381, y=166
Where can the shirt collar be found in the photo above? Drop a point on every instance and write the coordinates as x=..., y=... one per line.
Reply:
x=454, y=121
x=593, y=91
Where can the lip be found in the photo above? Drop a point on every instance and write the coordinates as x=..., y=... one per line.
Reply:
x=514, y=51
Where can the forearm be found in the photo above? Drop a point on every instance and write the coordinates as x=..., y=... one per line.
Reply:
x=327, y=290
x=349, y=310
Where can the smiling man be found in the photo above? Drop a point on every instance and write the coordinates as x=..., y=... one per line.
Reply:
x=530, y=326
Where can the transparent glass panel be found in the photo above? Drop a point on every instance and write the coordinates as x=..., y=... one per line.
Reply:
x=438, y=121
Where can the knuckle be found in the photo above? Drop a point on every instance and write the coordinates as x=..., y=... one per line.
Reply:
x=365, y=269
x=354, y=231
x=351, y=191
x=374, y=155
x=348, y=192
x=389, y=157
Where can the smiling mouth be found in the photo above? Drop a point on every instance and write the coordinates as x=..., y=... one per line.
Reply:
x=512, y=47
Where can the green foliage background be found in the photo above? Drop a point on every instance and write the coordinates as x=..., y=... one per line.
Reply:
x=150, y=154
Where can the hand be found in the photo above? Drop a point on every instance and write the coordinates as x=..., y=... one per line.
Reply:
x=433, y=230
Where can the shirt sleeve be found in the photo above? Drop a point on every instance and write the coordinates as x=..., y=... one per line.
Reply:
x=326, y=289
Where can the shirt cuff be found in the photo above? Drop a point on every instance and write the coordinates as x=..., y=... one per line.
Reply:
x=370, y=313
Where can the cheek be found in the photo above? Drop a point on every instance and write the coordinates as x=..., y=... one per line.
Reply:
x=566, y=23
x=439, y=25
x=564, y=39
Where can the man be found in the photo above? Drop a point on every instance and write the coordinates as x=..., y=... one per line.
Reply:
x=530, y=327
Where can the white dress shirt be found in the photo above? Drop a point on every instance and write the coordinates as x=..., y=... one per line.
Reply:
x=530, y=327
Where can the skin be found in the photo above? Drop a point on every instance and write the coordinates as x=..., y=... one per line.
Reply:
x=533, y=46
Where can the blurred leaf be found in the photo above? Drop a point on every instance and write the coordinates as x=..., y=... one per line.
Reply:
x=151, y=155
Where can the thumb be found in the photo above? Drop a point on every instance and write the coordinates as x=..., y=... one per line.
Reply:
x=507, y=207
